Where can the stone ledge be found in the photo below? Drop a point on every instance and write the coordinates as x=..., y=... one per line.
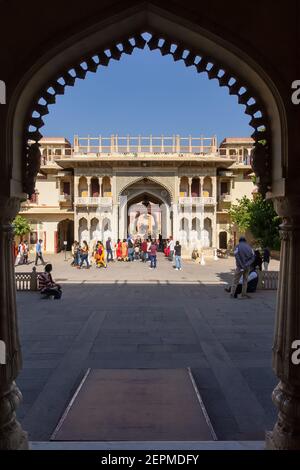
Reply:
x=149, y=445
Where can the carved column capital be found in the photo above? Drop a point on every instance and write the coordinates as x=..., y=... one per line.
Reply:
x=288, y=208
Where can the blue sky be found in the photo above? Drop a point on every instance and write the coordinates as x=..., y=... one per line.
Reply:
x=145, y=94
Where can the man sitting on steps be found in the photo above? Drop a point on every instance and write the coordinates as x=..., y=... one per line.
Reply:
x=47, y=286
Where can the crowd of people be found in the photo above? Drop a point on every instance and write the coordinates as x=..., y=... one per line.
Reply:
x=126, y=250
x=245, y=278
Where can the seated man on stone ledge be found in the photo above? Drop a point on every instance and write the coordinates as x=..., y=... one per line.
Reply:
x=252, y=282
x=47, y=286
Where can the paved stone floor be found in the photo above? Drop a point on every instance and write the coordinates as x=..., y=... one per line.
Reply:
x=129, y=316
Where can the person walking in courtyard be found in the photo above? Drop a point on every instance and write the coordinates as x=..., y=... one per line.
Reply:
x=47, y=286
x=26, y=252
x=149, y=242
x=119, y=250
x=20, y=253
x=75, y=253
x=109, y=250
x=130, y=249
x=144, y=251
x=137, y=249
x=177, y=252
x=257, y=260
x=171, y=246
x=124, y=252
x=244, y=257
x=153, y=254
x=39, y=252
x=84, y=256
x=266, y=258
x=99, y=256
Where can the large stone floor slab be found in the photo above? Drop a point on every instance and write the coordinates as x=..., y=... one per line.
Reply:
x=135, y=405
x=117, y=325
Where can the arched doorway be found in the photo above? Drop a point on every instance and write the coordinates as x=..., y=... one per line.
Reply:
x=145, y=209
x=207, y=233
x=223, y=240
x=65, y=233
x=83, y=231
x=144, y=217
x=95, y=232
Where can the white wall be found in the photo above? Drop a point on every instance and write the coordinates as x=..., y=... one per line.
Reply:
x=48, y=193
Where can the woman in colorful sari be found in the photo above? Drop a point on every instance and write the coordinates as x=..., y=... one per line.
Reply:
x=119, y=250
x=100, y=256
x=124, y=250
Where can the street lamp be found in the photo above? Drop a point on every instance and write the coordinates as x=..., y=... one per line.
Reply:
x=65, y=246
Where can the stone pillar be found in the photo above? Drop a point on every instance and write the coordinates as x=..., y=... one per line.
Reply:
x=190, y=187
x=201, y=185
x=214, y=187
x=286, y=396
x=175, y=221
x=89, y=183
x=123, y=217
x=76, y=224
x=12, y=437
x=114, y=222
x=100, y=179
x=168, y=230
x=76, y=187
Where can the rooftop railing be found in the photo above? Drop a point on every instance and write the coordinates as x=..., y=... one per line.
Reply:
x=149, y=144
x=139, y=146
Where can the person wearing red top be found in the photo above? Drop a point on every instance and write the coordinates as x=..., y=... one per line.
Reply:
x=153, y=254
x=144, y=250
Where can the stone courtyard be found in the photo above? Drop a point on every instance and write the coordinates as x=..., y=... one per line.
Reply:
x=128, y=316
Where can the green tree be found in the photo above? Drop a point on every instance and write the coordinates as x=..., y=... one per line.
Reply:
x=21, y=226
x=258, y=216
x=241, y=214
x=265, y=223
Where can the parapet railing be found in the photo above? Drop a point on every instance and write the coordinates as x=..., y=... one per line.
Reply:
x=27, y=281
x=268, y=280
x=149, y=144
x=93, y=201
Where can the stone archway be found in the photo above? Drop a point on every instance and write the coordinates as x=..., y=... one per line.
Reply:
x=134, y=198
x=223, y=240
x=65, y=232
x=49, y=76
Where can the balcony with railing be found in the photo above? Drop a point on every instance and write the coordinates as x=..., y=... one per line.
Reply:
x=65, y=199
x=206, y=201
x=226, y=198
x=94, y=201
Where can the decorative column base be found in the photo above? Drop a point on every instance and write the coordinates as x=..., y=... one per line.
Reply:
x=12, y=436
x=286, y=433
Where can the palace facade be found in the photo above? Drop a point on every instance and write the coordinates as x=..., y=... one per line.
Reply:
x=116, y=186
